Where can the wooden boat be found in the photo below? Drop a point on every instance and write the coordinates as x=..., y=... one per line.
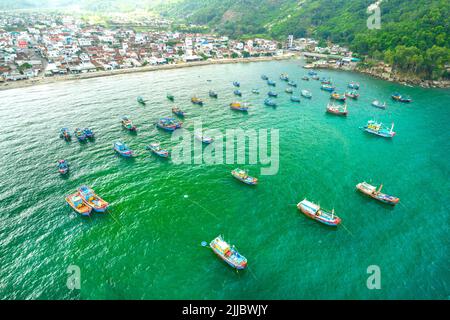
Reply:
x=242, y=175
x=76, y=202
x=400, y=98
x=140, y=100
x=270, y=103
x=177, y=111
x=306, y=94
x=372, y=191
x=272, y=94
x=352, y=94
x=264, y=77
x=239, y=106
x=156, y=149
x=306, y=78
x=122, y=149
x=325, y=81
x=289, y=90
x=236, y=84
x=92, y=200
x=128, y=124
x=271, y=83
x=337, y=109
x=378, y=104
x=228, y=253
x=63, y=166
x=237, y=93
x=315, y=212
x=196, y=100
x=81, y=136
x=213, y=94
x=338, y=97
x=169, y=124
x=170, y=97
x=89, y=133
x=353, y=85
x=292, y=84
x=327, y=87
x=295, y=99
x=255, y=91
x=65, y=134
x=204, y=139
x=284, y=77
x=376, y=128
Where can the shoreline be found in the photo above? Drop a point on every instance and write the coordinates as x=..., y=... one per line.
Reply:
x=7, y=85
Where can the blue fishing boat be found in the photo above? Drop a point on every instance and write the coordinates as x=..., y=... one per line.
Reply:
x=243, y=176
x=379, y=104
x=289, y=90
x=307, y=94
x=92, y=200
x=128, y=124
x=237, y=93
x=255, y=91
x=284, y=77
x=271, y=83
x=315, y=212
x=228, y=253
x=377, y=128
x=295, y=99
x=353, y=85
x=292, y=84
x=400, y=98
x=204, y=139
x=213, y=94
x=65, y=134
x=264, y=77
x=89, y=133
x=327, y=87
x=312, y=73
x=81, y=136
x=177, y=111
x=122, y=149
x=270, y=103
x=63, y=167
x=169, y=124
x=236, y=84
x=239, y=106
x=272, y=94
x=156, y=149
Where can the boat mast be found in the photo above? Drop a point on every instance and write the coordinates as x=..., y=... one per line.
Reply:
x=392, y=128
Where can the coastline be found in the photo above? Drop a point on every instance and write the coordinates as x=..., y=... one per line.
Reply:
x=54, y=79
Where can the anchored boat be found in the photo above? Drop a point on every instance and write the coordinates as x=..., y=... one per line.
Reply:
x=315, y=212
x=337, y=109
x=352, y=94
x=327, y=87
x=196, y=100
x=237, y=93
x=264, y=77
x=325, y=81
x=289, y=90
x=272, y=94
x=156, y=149
x=89, y=133
x=400, y=98
x=284, y=77
x=65, y=134
x=270, y=103
x=242, y=175
x=271, y=83
x=336, y=96
x=228, y=253
x=239, y=106
x=92, y=200
x=140, y=100
x=292, y=84
x=63, y=166
x=312, y=73
x=306, y=78
x=76, y=202
x=128, y=124
x=213, y=94
x=169, y=124
x=177, y=111
x=378, y=104
x=295, y=99
x=306, y=94
x=353, y=85
x=255, y=91
x=372, y=191
x=81, y=136
x=170, y=97
x=204, y=139
x=376, y=128
x=236, y=84
x=122, y=149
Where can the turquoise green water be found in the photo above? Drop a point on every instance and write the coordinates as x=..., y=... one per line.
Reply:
x=148, y=246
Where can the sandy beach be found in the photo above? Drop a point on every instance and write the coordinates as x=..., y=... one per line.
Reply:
x=47, y=80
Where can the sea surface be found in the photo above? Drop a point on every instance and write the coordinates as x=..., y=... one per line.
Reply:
x=148, y=246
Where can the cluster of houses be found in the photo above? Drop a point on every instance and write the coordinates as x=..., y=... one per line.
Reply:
x=36, y=45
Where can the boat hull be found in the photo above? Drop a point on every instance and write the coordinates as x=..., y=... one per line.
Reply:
x=309, y=213
x=382, y=197
x=230, y=263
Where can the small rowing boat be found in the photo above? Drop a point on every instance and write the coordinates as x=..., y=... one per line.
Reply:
x=204, y=139
x=237, y=93
x=353, y=85
x=306, y=94
x=170, y=97
x=177, y=111
x=315, y=212
x=169, y=124
x=312, y=73
x=398, y=97
x=376, y=128
x=284, y=77
x=213, y=94
x=264, y=77
x=271, y=83
x=325, y=81
x=81, y=136
x=292, y=84
x=378, y=104
x=197, y=101
x=128, y=124
x=315, y=77
x=122, y=149
x=337, y=109
x=65, y=134
x=242, y=175
x=352, y=94
x=140, y=100
x=89, y=133
x=255, y=91
x=63, y=167
x=295, y=99
x=76, y=202
x=372, y=191
x=156, y=149
x=239, y=106
x=306, y=78
x=228, y=253
x=327, y=87
x=338, y=97
x=270, y=102
x=236, y=84
x=289, y=90
x=92, y=200
x=272, y=94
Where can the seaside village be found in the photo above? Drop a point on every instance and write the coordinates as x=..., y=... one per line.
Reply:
x=48, y=45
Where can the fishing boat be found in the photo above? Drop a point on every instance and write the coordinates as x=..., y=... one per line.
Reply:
x=264, y=77
x=128, y=124
x=169, y=124
x=81, y=136
x=204, y=139
x=236, y=84
x=315, y=212
x=271, y=83
x=378, y=129
x=327, y=87
x=372, y=191
x=315, y=77
x=213, y=94
x=289, y=90
x=255, y=91
x=237, y=93
x=228, y=253
x=337, y=109
x=325, y=81
x=242, y=175
x=196, y=100
x=156, y=149
x=140, y=100
x=306, y=78
x=295, y=99
x=353, y=85
x=239, y=106
x=306, y=94
x=398, y=97
x=378, y=104
x=76, y=202
x=92, y=200
x=177, y=111
x=352, y=94
x=272, y=94
x=89, y=133
x=122, y=149
x=284, y=77
x=270, y=103
x=170, y=97
x=63, y=166
x=65, y=134
x=292, y=84
x=312, y=73
x=338, y=97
